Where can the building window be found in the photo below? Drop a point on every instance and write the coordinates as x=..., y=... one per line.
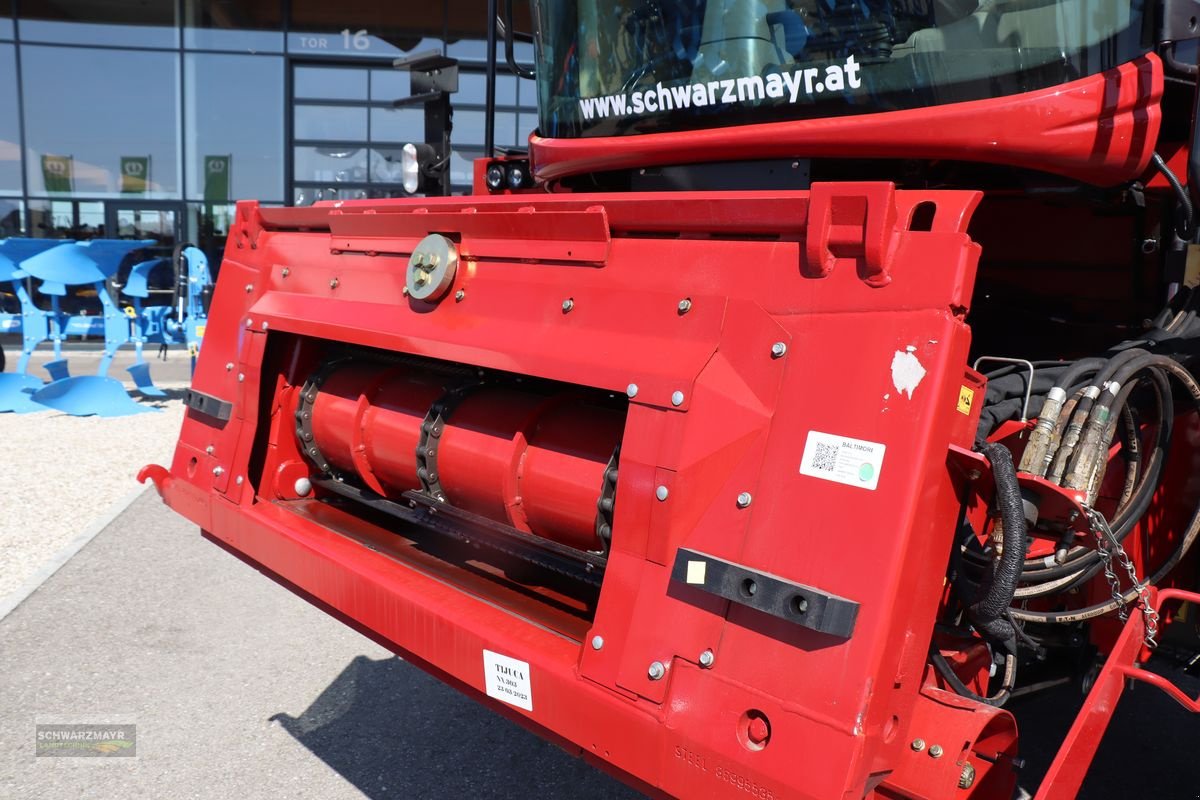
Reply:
x=364, y=28
x=12, y=218
x=89, y=114
x=252, y=26
x=135, y=23
x=234, y=140
x=6, y=25
x=10, y=134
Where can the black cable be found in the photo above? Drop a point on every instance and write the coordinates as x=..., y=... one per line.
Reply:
x=1185, y=202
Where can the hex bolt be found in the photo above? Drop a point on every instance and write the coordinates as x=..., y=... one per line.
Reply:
x=778, y=350
x=567, y=305
x=229, y=366
x=935, y=751
x=265, y=325
x=218, y=471
x=209, y=450
x=661, y=493
x=241, y=377
x=333, y=283
x=597, y=642
x=459, y=295
x=285, y=272
x=676, y=398
x=249, y=288
x=631, y=390
x=249, y=322
x=918, y=745
x=744, y=499
x=707, y=658
x=239, y=480
x=656, y=671
x=966, y=778
x=685, y=305
x=303, y=487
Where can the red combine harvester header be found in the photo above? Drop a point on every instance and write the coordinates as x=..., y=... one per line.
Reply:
x=821, y=377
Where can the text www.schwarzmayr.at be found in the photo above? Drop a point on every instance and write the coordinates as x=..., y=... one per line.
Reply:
x=776, y=86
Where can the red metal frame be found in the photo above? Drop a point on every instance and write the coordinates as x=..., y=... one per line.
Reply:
x=1065, y=776
x=1100, y=129
x=834, y=274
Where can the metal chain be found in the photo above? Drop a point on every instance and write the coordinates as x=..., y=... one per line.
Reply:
x=1108, y=547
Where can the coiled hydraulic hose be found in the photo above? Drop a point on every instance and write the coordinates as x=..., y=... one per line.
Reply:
x=1176, y=370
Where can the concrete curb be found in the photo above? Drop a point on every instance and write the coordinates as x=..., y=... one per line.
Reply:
x=9, y=602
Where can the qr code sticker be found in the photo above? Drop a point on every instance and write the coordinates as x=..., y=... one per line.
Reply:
x=825, y=457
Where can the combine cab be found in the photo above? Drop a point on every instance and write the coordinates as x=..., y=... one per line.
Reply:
x=822, y=377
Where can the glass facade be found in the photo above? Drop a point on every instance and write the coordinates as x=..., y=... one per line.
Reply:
x=149, y=118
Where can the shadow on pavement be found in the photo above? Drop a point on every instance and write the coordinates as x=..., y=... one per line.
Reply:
x=393, y=731
x=1151, y=749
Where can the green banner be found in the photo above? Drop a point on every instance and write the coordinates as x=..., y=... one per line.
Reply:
x=135, y=174
x=58, y=173
x=216, y=178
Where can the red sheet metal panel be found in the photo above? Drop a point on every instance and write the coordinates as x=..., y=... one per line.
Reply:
x=799, y=420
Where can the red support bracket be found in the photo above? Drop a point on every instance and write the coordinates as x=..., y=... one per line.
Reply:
x=1066, y=774
x=852, y=221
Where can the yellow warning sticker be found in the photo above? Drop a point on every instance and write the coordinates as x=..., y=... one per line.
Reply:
x=966, y=397
x=200, y=331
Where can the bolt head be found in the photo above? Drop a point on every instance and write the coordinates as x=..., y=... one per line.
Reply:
x=677, y=398
x=239, y=480
x=758, y=731
x=265, y=325
x=656, y=671
x=935, y=751
x=744, y=499
x=303, y=487
x=241, y=377
x=661, y=493
x=778, y=350
x=918, y=745
x=597, y=642
x=249, y=288
x=459, y=295
x=966, y=778
x=286, y=272
x=631, y=390
x=333, y=283
x=567, y=305
x=218, y=471
x=249, y=322
x=685, y=305
x=707, y=658
x=229, y=366
x=209, y=450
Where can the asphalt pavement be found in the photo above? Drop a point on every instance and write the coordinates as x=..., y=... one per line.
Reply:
x=239, y=689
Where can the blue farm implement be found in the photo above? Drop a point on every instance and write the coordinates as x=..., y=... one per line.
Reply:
x=56, y=270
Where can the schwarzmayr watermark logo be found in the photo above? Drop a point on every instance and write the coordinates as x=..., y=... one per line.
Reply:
x=86, y=741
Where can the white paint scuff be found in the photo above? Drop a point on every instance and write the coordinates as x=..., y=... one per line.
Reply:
x=907, y=372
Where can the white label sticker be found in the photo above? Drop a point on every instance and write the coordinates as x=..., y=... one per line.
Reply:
x=853, y=462
x=696, y=571
x=507, y=680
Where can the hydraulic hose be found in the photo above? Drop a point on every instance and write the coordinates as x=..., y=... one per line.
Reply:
x=1176, y=370
x=988, y=611
x=951, y=677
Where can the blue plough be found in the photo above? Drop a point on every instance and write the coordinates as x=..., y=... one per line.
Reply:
x=55, y=265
